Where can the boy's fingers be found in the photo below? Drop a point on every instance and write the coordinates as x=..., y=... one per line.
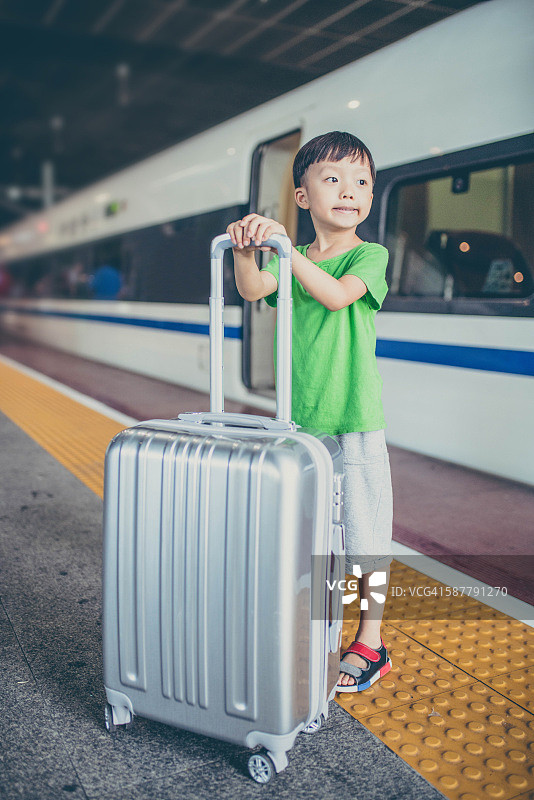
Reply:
x=263, y=232
x=251, y=221
x=246, y=219
x=238, y=235
x=259, y=237
x=251, y=230
x=230, y=230
x=253, y=226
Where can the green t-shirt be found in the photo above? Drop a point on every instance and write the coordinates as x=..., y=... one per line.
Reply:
x=336, y=384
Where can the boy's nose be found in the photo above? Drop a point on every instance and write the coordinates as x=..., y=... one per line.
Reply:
x=347, y=193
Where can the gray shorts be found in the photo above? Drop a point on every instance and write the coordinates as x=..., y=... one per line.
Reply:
x=368, y=499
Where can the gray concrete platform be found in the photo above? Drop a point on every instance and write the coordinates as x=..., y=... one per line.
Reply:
x=53, y=743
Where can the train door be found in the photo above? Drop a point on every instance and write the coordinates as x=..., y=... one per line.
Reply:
x=272, y=195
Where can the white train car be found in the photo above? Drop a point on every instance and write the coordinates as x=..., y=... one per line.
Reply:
x=119, y=272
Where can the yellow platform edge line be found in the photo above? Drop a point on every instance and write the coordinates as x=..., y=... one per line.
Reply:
x=75, y=435
x=456, y=712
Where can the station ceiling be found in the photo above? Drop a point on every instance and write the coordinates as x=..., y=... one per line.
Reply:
x=95, y=86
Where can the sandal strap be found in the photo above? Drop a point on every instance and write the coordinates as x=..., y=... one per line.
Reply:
x=361, y=649
x=350, y=669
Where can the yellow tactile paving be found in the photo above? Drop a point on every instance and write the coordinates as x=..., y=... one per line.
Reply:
x=457, y=705
x=484, y=648
x=518, y=686
x=75, y=435
x=469, y=742
x=417, y=674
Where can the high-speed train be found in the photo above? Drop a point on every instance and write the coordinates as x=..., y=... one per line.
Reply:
x=119, y=272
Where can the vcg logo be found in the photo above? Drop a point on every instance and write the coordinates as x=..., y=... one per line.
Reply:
x=375, y=579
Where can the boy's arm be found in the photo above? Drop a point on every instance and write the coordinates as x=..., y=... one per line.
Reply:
x=251, y=283
x=333, y=293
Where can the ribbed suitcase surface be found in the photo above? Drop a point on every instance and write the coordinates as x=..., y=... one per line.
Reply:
x=208, y=572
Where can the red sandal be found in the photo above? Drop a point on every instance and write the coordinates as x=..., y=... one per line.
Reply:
x=378, y=664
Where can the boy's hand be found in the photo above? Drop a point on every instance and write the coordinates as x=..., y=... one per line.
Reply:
x=252, y=230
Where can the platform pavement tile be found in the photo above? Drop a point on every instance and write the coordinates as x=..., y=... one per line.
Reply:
x=70, y=683
x=68, y=674
x=484, y=648
x=75, y=699
x=517, y=686
x=35, y=762
x=348, y=765
x=469, y=743
x=416, y=673
x=148, y=748
x=6, y=629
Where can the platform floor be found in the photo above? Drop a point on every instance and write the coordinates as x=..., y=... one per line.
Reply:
x=454, y=718
x=53, y=740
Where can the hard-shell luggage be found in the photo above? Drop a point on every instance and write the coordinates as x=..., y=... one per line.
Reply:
x=222, y=541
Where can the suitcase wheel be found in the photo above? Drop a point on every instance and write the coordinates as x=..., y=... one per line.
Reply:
x=261, y=767
x=314, y=726
x=109, y=719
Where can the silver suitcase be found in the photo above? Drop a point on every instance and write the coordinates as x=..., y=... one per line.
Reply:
x=223, y=541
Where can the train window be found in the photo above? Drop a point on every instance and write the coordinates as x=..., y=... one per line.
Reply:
x=161, y=264
x=466, y=235
x=99, y=271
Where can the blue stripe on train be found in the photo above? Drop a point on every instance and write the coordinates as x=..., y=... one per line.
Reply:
x=515, y=362
x=490, y=359
x=230, y=331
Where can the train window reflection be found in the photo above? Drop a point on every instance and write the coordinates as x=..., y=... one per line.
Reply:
x=463, y=235
x=163, y=263
x=97, y=272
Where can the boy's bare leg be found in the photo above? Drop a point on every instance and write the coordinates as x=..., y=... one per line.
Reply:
x=370, y=623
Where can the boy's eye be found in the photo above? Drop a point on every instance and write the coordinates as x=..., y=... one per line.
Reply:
x=332, y=178
x=362, y=182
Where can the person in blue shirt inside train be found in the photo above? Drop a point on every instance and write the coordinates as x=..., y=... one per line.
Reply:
x=338, y=286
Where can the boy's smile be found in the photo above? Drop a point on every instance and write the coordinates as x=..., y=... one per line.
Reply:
x=338, y=194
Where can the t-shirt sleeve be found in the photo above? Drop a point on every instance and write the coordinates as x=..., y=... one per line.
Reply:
x=274, y=268
x=370, y=266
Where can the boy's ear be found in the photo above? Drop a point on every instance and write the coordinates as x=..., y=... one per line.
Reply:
x=301, y=198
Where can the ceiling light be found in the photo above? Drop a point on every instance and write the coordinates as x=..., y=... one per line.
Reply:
x=353, y=104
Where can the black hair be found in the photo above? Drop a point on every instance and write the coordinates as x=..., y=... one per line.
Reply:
x=331, y=146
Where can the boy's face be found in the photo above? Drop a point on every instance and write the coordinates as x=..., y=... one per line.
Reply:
x=338, y=194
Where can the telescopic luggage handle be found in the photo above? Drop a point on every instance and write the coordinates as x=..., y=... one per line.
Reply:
x=283, y=353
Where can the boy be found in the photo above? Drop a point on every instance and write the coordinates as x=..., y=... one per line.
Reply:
x=338, y=286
